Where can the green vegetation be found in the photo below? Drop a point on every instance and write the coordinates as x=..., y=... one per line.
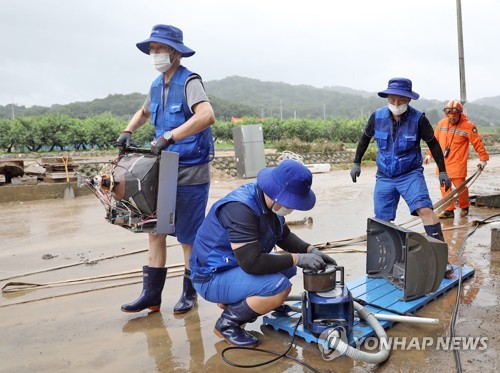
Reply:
x=61, y=132
x=281, y=100
x=305, y=129
x=293, y=117
x=238, y=97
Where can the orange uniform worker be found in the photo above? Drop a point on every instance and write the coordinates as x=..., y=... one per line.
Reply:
x=454, y=133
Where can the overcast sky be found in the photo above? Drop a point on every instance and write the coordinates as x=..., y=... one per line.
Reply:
x=57, y=52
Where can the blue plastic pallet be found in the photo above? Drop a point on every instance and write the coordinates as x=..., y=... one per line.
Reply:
x=377, y=291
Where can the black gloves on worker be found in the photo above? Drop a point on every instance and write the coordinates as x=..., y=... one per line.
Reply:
x=326, y=258
x=160, y=144
x=355, y=171
x=444, y=181
x=310, y=261
x=124, y=139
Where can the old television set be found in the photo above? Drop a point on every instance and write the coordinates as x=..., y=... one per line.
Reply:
x=413, y=262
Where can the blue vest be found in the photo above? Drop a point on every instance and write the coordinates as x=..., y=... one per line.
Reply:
x=212, y=250
x=398, y=151
x=193, y=150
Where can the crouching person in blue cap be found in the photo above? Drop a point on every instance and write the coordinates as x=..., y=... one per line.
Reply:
x=398, y=129
x=232, y=264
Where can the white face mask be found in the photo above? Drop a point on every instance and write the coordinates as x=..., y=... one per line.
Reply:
x=282, y=211
x=161, y=61
x=398, y=110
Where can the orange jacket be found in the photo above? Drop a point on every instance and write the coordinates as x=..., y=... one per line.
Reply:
x=457, y=137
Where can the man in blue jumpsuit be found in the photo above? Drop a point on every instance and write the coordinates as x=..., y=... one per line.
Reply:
x=232, y=262
x=180, y=111
x=398, y=129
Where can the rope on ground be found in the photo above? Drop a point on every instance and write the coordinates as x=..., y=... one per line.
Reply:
x=78, y=263
x=17, y=286
x=180, y=273
x=448, y=199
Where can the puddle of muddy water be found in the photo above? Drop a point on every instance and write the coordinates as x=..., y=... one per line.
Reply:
x=86, y=331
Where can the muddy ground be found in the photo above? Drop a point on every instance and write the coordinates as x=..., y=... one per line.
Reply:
x=79, y=327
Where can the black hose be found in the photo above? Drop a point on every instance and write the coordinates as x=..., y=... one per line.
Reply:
x=454, y=315
x=278, y=355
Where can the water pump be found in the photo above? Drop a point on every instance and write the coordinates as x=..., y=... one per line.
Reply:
x=326, y=302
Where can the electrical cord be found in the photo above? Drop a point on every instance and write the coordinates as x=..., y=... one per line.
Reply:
x=454, y=316
x=279, y=355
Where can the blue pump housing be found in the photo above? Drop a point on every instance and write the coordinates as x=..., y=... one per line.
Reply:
x=331, y=309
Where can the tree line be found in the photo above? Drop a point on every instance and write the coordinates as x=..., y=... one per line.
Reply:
x=50, y=132
x=239, y=97
x=60, y=132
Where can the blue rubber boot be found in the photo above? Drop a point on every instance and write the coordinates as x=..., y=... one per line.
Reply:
x=228, y=326
x=152, y=286
x=188, y=297
x=436, y=232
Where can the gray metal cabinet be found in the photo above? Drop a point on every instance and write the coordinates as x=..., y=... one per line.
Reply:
x=249, y=150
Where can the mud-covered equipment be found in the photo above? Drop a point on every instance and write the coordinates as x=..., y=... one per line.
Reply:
x=326, y=302
x=412, y=262
x=134, y=185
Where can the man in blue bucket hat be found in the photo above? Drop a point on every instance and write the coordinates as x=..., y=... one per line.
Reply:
x=232, y=264
x=398, y=129
x=180, y=111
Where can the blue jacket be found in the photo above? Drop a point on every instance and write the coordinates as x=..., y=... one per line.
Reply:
x=212, y=250
x=398, y=151
x=195, y=149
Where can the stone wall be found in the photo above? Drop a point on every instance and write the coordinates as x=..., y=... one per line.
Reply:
x=228, y=163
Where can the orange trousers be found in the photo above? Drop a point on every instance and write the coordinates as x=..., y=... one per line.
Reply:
x=463, y=198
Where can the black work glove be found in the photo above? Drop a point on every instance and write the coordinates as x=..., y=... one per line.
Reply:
x=124, y=139
x=160, y=144
x=355, y=171
x=310, y=261
x=326, y=258
x=444, y=181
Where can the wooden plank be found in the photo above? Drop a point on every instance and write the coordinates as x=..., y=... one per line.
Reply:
x=54, y=160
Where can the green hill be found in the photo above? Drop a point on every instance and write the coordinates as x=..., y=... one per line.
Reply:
x=237, y=96
x=489, y=101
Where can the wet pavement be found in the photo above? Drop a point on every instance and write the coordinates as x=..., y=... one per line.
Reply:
x=78, y=327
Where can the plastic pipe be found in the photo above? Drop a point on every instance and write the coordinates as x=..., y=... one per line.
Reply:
x=408, y=319
x=344, y=349
x=370, y=358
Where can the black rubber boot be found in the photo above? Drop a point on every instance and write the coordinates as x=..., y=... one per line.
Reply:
x=436, y=232
x=152, y=286
x=188, y=297
x=283, y=309
x=228, y=326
